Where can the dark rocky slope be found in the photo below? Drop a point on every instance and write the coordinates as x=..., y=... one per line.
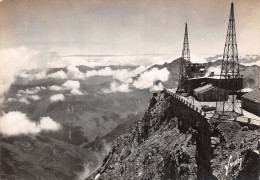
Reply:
x=40, y=157
x=172, y=142
x=236, y=146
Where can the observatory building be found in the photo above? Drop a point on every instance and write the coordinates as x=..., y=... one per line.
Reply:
x=195, y=81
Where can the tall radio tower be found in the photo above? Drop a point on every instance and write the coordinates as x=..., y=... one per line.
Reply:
x=230, y=65
x=230, y=69
x=185, y=62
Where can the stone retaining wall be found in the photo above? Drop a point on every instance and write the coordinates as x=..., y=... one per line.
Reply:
x=187, y=114
x=190, y=117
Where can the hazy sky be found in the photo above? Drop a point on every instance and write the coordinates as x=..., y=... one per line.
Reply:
x=127, y=26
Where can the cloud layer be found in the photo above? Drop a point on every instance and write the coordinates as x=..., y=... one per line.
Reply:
x=12, y=62
x=32, y=67
x=57, y=75
x=57, y=97
x=27, y=95
x=69, y=85
x=16, y=123
x=74, y=73
x=147, y=79
x=117, y=87
x=55, y=88
x=120, y=74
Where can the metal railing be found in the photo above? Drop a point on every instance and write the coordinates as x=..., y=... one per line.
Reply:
x=209, y=115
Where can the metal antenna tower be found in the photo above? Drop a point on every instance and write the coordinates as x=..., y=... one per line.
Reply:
x=185, y=62
x=230, y=69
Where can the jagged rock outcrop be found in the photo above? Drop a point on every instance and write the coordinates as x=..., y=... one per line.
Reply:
x=172, y=141
x=235, y=151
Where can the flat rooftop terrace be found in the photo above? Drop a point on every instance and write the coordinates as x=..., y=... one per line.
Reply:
x=212, y=77
x=254, y=119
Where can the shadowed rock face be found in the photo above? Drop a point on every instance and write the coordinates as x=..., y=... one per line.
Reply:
x=153, y=148
x=234, y=146
x=163, y=146
x=153, y=158
x=250, y=167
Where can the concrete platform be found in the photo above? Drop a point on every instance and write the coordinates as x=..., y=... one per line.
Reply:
x=247, y=117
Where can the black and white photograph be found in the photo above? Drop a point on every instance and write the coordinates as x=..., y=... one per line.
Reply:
x=129, y=89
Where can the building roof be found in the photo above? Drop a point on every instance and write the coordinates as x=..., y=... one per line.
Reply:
x=203, y=88
x=212, y=77
x=253, y=95
x=204, y=77
x=245, y=90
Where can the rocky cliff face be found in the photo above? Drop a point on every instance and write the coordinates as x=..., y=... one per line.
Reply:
x=174, y=142
x=235, y=151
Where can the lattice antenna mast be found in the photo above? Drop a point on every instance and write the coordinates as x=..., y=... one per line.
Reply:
x=230, y=68
x=186, y=50
x=230, y=65
x=185, y=61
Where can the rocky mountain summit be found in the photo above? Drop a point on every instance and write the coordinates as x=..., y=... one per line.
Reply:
x=173, y=142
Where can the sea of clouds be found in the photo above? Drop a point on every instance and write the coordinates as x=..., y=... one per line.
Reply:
x=21, y=61
x=29, y=64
